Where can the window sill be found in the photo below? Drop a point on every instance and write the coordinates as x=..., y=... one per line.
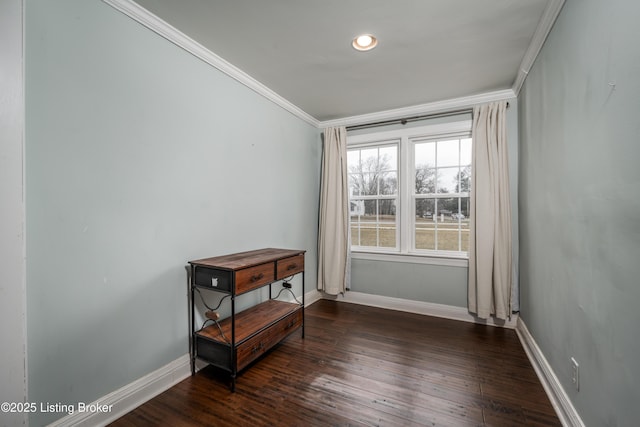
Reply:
x=448, y=261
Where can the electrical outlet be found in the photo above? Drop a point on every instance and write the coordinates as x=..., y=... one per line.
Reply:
x=575, y=373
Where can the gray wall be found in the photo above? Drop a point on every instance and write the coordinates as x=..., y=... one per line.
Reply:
x=140, y=157
x=12, y=283
x=580, y=206
x=440, y=284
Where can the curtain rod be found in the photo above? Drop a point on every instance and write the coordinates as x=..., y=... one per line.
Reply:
x=406, y=120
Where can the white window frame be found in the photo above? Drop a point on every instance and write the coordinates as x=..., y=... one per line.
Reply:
x=381, y=144
x=405, y=214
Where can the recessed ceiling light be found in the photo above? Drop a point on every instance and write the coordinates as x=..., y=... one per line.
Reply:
x=364, y=42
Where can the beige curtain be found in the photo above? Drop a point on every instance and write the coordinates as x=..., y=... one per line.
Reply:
x=490, y=223
x=333, y=232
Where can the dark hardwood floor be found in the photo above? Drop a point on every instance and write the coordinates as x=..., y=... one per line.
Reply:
x=364, y=366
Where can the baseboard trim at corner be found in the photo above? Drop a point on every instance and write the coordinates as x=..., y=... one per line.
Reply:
x=559, y=399
x=129, y=397
x=421, y=307
x=312, y=297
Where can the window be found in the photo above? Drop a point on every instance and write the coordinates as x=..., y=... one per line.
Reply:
x=442, y=171
x=373, y=190
x=409, y=190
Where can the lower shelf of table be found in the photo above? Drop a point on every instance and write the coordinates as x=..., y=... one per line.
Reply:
x=257, y=330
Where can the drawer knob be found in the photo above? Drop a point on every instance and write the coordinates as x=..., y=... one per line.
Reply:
x=257, y=348
x=289, y=324
x=292, y=267
x=257, y=277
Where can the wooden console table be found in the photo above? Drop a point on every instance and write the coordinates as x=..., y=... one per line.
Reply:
x=234, y=342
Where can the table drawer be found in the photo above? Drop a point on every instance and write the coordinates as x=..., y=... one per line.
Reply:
x=216, y=353
x=256, y=346
x=213, y=278
x=254, y=277
x=289, y=266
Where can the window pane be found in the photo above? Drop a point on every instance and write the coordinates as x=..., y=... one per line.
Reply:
x=389, y=158
x=464, y=208
x=355, y=235
x=448, y=180
x=389, y=183
x=425, y=208
x=448, y=153
x=425, y=181
x=448, y=239
x=354, y=185
x=356, y=178
x=464, y=224
x=444, y=209
x=425, y=228
x=387, y=210
x=369, y=159
x=465, y=151
x=353, y=159
x=369, y=184
x=370, y=211
x=367, y=225
x=356, y=209
x=387, y=225
x=464, y=241
x=448, y=227
x=465, y=179
x=425, y=155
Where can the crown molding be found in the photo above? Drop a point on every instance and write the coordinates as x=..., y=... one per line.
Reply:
x=170, y=33
x=545, y=25
x=162, y=28
x=422, y=109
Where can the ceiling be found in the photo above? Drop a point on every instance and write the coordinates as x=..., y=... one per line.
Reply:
x=429, y=51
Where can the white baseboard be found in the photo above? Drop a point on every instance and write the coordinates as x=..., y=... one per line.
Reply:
x=311, y=297
x=564, y=408
x=129, y=397
x=421, y=307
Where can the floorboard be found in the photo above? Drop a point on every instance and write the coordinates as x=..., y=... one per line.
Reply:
x=365, y=366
